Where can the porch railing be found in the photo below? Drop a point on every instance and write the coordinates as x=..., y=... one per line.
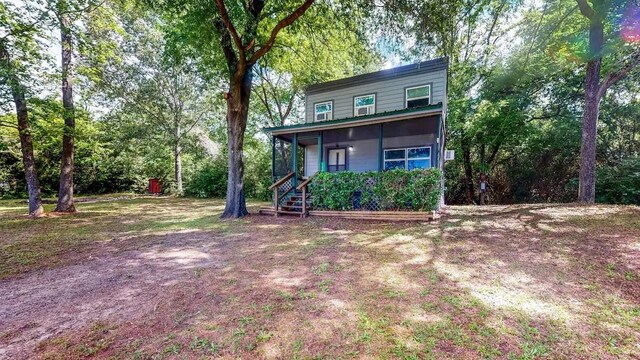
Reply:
x=305, y=192
x=280, y=189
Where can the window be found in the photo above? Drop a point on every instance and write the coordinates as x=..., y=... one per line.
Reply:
x=337, y=160
x=418, y=96
x=364, y=105
x=323, y=111
x=409, y=158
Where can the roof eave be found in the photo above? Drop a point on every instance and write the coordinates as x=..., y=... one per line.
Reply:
x=330, y=125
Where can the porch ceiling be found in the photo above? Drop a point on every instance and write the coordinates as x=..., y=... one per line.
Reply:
x=390, y=116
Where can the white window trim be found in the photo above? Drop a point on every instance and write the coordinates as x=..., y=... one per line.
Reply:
x=315, y=111
x=373, y=106
x=406, y=94
x=406, y=156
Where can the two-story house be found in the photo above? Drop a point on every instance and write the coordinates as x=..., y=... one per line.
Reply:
x=388, y=119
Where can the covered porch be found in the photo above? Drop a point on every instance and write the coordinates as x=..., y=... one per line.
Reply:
x=410, y=141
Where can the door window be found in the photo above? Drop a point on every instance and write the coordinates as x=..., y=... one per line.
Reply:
x=337, y=160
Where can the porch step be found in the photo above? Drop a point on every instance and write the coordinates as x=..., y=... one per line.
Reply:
x=299, y=198
x=271, y=211
x=285, y=212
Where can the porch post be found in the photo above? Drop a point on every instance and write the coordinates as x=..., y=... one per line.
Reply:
x=320, y=151
x=438, y=141
x=273, y=157
x=295, y=159
x=380, y=151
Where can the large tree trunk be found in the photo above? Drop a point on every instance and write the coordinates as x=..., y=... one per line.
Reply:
x=65, y=194
x=28, y=159
x=587, y=185
x=178, y=167
x=237, y=113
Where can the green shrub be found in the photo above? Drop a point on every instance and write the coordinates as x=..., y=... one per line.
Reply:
x=619, y=184
x=210, y=181
x=390, y=190
x=335, y=191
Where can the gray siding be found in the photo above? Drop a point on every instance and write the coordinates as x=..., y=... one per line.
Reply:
x=364, y=156
x=390, y=94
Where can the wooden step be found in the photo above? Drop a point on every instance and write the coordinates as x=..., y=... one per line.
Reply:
x=271, y=211
x=285, y=212
x=266, y=210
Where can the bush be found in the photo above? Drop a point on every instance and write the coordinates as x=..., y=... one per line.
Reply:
x=390, y=190
x=210, y=181
x=619, y=184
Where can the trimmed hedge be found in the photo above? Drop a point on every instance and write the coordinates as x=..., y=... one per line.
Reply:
x=390, y=190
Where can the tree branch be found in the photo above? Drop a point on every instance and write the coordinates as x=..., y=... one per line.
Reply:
x=281, y=25
x=587, y=10
x=264, y=97
x=224, y=16
x=225, y=43
x=615, y=76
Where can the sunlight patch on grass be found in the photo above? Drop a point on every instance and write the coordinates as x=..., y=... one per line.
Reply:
x=284, y=278
x=514, y=290
x=391, y=275
x=418, y=315
x=577, y=211
x=184, y=257
x=555, y=227
x=268, y=226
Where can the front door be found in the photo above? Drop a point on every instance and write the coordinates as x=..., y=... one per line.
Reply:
x=337, y=160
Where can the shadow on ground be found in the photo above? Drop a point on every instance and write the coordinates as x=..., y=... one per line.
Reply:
x=167, y=278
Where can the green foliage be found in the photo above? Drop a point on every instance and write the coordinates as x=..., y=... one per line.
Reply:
x=619, y=184
x=415, y=189
x=335, y=191
x=390, y=190
x=209, y=181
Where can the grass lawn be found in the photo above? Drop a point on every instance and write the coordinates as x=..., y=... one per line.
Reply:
x=165, y=278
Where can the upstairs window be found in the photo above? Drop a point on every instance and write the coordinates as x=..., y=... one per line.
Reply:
x=364, y=105
x=323, y=111
x=408, y=159
x=418, y=96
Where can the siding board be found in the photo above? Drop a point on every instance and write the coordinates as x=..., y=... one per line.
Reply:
x=390, y=94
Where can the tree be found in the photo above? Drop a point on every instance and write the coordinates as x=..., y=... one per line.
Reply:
x=160, y=91
x=238, y=30
x=241, y=53
x=468, y=34
x=323, y=48
x=228, y=38
x=62, y=12
x=596, y=86
x=17, y=49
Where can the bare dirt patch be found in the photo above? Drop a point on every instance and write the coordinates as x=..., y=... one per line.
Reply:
x=165, y=278
x=107, y=287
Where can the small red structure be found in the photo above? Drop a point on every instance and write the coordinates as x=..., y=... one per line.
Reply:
x=154, y=186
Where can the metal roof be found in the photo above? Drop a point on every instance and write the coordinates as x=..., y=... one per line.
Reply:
x=406, y=70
